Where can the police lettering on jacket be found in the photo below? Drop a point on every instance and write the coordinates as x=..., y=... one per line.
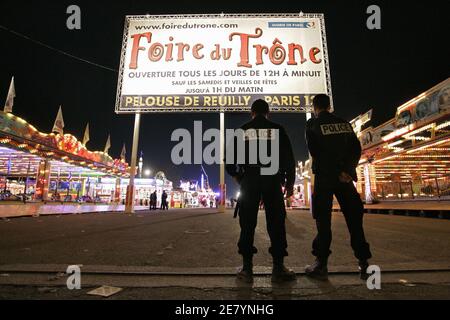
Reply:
x=336, y=128
x=333, y=145
x=259, y=134
x=262, y=133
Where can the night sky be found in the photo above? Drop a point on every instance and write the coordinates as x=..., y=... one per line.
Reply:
x=378, y=69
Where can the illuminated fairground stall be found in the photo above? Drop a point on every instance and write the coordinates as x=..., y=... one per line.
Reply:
x=302, y=186
x=408, y=157
x=192, y=194
x=40, y=166
x=144, y=187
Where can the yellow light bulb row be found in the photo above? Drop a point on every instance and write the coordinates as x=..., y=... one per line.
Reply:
x=429, y=146
x=393, y=144
x=427, y=127
x=424, y=156
x=418, y=138
x=412, y=161
x=387, y=165
x=442, y=125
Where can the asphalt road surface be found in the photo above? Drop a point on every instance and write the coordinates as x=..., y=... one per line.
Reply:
x=191, y=254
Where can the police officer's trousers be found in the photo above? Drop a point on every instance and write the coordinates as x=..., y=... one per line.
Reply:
x=255, y=187
x=352, y=208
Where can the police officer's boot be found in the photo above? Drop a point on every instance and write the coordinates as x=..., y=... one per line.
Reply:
x=363, y=265
x=318, y=270
x=280, y=273
x=245, y=273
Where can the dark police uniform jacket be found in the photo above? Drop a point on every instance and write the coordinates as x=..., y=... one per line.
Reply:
x=262, y=127
x=333, y=146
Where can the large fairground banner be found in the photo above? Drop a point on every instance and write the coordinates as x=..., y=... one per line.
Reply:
x=213, y=63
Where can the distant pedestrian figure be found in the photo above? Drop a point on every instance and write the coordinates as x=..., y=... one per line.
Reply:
x=232, y=203
x=164, y=204
x=335, y=152
x=153, y=199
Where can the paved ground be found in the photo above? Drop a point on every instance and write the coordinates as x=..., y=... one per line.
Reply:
x=394, y=286
x=17, y=209
x=182, y=248
x=193, y=239
x=400, y=206
x=426, y=205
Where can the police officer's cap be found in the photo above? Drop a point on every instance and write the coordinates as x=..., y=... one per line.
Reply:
x=260, y=107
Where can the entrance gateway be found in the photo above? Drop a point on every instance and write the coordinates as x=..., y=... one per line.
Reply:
x=220, y=63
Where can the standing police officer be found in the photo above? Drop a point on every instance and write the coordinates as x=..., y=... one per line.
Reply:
x=255, y=186
x=335, y=152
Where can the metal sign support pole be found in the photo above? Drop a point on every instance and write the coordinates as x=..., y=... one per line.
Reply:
x=311, y=184
x=222, y=164
x=129, y=202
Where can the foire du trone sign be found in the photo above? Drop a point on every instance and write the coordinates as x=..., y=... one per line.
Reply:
x=210, y=63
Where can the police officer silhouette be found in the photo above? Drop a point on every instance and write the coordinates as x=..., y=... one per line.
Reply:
x=255, y=186
x=335, y=152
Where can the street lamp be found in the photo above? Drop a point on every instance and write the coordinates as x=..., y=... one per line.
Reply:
x=147, y=172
